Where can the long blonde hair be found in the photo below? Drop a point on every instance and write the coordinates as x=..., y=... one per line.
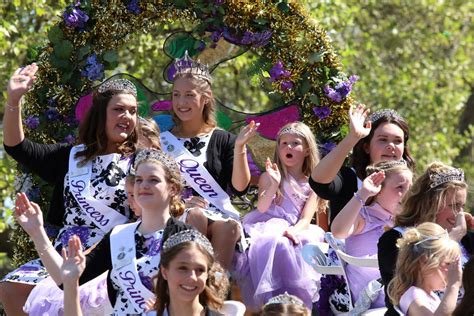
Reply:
x=204, y=88
x=302, y=130
x=421, y=249
x=422, y=202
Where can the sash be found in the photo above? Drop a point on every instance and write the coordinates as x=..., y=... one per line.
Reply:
x=103, y=216
x=197, y=176
x=124, y=263
x=295, y=192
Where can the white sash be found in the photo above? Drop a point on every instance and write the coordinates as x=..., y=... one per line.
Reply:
x=103, y=216
x=197, y=176
x=124, y=263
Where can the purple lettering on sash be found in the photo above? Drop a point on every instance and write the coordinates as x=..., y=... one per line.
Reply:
x=190, y=167
x=129, y=281
x=76, y=188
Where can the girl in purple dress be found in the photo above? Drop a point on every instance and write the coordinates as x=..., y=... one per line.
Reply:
x=281, y=224
x=363, y=220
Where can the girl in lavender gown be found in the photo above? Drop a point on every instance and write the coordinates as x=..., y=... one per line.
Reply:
x=281, y=224
x=363, y=220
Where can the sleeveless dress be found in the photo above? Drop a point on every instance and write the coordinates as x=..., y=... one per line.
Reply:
x=431, y=301
x=273, y=265
x=364, y=244
x=107, y=186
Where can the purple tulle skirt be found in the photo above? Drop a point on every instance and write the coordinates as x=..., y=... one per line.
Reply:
x=274, y=265
x=47, y=299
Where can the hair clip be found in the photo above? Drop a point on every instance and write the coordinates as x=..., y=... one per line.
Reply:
x=453, y=174
x=187, y=65
x=285, y=299
x=186, y=236
x=118, y=85
x=387, y=113
x=428, y=238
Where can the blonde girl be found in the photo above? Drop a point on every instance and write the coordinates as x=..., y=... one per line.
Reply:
x=281, y=223
x=428, y=260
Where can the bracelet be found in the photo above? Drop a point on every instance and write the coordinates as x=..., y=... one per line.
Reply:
x=358, y=198
x=43, y=251
x=12, y=108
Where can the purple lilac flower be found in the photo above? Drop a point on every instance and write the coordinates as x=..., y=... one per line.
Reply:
x=146, y=280
x=94, y=69
x=202, y=46
x=247, y=38
x=215, y=36
x=32, y=122
x=70, y=139
x=134, y=7
x=262, y=38
x=52, y=114
x=80, y=231
x=286, y=85
x=278, y=72
x=342, y=89
x=322, y=112
x=327, y=147
x=332, y=94
x=74, y=17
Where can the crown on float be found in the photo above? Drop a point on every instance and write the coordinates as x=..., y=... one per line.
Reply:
x=453, y=174
x=118, y=85
x=187, y=65
x=187, y=236
x=285, y=299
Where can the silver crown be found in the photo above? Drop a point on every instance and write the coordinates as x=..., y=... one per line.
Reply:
x=290, y=130
x=187, y=236
x=160, y=156
x=118, y=85
x=285, y=299
x=389, y=164
x=453, y=174
x=388, y=113
x=187, y=65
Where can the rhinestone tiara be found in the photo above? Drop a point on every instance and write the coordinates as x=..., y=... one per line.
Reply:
x=285, y=299
x=118, y=85
x=160, y=156
x=187, y=65
x=389, y=164
x=388, y=113
x=186, y=236
x=453, y=174
x=290, y=130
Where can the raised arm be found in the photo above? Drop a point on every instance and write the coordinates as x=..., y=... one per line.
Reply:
x=348, y=221
x=241, y=170
x=327, y=168
x=268, y=185
x=20, y=83
x=74, y=263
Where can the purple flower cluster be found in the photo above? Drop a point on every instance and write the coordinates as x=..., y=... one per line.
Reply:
x=326, y=148
x=52, y=114
x=278, y=72
x=134, y=7
x=257, y=39
x=32, y=122
x=322, y=112
x=329, y=283
x=94, y=69
x=342, y=89
x=69, y=139
x=74, y=17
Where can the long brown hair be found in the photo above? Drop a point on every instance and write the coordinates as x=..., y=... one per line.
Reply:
x=217, y=283
x=360, y=159
x=92, y=129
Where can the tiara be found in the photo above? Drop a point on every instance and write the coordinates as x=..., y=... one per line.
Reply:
x=186, y=236
x=453, y=174
x=388, y=113
x=290, y=130
x=389, y=164
x=285, y=299
x=118, y=85
x=160, y=156
x=186, y=65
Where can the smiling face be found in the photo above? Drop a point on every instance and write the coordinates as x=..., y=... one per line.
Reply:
x=292, y=150
x=186, y=274
x=188, y=101
x=387, y=143
x=455, y=203
x=121, y=118
x=151, y=189
x=394, y=188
